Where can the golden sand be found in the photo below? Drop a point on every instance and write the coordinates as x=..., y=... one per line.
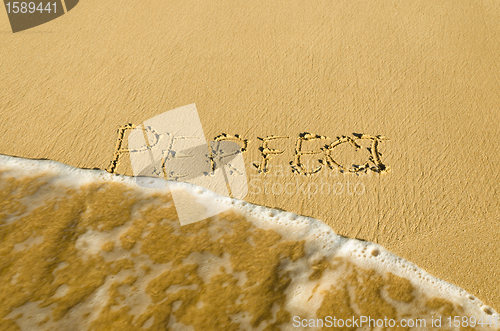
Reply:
x=423, y=74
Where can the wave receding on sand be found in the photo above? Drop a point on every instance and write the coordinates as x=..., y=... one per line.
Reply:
x=87, y=249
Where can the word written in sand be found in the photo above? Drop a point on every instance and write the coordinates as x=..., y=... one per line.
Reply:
x=324, y=153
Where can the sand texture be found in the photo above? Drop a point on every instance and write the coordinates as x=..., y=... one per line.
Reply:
x=421, y=78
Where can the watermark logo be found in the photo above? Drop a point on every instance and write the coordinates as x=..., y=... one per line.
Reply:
x=172, y=146
x=25, y=15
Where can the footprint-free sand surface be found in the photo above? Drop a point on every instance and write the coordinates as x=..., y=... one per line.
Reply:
x=296, y=76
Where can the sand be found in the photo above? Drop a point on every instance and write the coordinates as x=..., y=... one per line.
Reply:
x=421, y=74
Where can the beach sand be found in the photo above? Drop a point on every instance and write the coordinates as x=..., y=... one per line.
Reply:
x=423, y=75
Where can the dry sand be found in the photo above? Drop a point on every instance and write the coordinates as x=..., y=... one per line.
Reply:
x=423, y=74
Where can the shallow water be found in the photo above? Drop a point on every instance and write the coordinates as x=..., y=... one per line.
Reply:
x=87, y=250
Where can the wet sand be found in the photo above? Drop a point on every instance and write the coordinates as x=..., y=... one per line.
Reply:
x=423, y=75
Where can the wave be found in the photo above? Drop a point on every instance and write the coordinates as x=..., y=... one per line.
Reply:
x=88, y=250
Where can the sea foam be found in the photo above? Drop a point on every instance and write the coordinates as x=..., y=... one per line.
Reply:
x=88, y=250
